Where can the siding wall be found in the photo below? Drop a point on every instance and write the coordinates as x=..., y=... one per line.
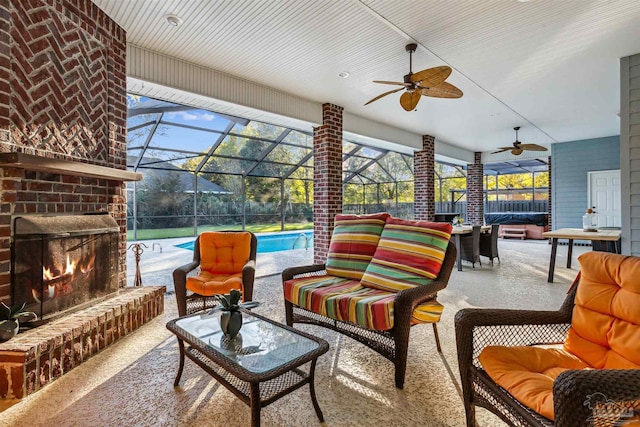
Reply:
x=630, y=153
x=571, y=163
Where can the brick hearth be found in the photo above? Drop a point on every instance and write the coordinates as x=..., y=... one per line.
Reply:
x=33, y=359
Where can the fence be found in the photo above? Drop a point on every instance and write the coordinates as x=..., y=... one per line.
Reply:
x=230, y=213
x=496, y=206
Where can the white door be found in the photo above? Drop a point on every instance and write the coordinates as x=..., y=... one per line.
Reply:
x=604, y=194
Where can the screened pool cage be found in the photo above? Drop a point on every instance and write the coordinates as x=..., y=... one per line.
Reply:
x=204, y=170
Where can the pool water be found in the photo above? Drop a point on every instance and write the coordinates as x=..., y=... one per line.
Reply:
x=275, y=242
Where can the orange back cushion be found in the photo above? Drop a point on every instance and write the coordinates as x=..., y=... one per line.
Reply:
x=224, y=253
x=605, y=327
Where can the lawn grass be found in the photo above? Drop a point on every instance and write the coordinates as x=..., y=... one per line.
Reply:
x=166, y=233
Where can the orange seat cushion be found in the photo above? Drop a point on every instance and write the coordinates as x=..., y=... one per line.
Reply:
x=224, y=253
x=605, y=327
x=527, y=373
x=207, y=284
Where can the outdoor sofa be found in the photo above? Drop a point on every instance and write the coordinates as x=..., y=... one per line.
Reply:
x=381, y=277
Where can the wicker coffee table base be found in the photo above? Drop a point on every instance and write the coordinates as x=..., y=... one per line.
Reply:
x=256, y=394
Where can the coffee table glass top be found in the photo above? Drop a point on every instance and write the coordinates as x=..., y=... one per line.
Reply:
x=259, y=347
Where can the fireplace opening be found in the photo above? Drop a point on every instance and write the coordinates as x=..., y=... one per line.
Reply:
x=60, y=263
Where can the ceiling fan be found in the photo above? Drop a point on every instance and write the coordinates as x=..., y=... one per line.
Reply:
x=519, y=147
x=429, y=82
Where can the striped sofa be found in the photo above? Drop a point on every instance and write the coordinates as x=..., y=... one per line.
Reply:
x=381, y=278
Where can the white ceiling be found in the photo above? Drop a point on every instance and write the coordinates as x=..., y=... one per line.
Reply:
x=549, y=66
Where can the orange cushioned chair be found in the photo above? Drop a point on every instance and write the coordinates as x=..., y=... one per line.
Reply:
x=576, y=366
x=222, y=260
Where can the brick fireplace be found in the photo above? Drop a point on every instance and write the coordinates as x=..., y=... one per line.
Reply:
x=63, y=152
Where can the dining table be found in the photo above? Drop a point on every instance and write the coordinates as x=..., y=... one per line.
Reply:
x=571, y=234
x=460, y=230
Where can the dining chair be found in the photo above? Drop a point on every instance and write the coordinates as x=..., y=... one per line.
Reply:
x=489, y=243
x=470, y=246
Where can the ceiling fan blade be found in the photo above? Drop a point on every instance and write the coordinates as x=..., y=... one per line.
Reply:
x=502, y=150
x=533, y=147
x=384, y=82
x=443, y=90
x=409, y=100
x=384, y=94
x=431, y=76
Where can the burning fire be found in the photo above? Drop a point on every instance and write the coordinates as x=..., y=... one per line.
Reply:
x=88, y=266
x=70, y=268
x=61, y=284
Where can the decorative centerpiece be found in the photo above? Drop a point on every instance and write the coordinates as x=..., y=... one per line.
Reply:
x=590, y=220
x=10, y=320
x=231, y=318
x=457, y=221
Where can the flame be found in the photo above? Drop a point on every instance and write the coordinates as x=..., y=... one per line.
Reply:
x=71, y=266
x=35, y=296
x=88, y=266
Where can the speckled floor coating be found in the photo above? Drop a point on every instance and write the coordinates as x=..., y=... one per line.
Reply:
x=131, y=382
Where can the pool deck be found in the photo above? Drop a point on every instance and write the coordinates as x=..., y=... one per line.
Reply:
x=161, y=257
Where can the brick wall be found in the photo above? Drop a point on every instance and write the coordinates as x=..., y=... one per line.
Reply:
x=62, y=95
x=327, y=178
x=475, y=196
x=424, y=180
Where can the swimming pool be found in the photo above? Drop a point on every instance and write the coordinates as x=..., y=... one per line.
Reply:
x=275, y=242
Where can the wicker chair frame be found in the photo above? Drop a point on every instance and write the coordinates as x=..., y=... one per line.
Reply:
x=479, y=328
x=392, y=344
x=189, y=303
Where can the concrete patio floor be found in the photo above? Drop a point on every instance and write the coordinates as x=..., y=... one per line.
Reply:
x=131, y=382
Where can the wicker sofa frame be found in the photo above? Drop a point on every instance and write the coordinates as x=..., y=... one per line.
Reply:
x=192, y=303
x=479, y=328
x=392, y=344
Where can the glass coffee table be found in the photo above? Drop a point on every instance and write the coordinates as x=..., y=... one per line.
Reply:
x=259, y=366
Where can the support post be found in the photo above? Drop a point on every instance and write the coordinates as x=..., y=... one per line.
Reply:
x=424, y=181
x=327, y=178
x=244, y=202
x=475, y=199
x=282, y=204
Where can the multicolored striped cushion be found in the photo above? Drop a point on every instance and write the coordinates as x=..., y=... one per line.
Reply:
x=353, y=243
x=347, y=300
x=409, y=253
x=312, y=292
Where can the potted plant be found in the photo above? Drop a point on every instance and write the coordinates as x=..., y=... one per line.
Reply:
x=10, y=318
x=231, y=318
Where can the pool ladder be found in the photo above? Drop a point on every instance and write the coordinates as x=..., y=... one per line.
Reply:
x=306, y=241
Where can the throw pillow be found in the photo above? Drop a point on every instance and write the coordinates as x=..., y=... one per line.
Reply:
x=353, y=243
x=409, y=253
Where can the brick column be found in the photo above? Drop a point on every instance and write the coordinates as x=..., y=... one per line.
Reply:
x=549, y=198
x=5, y=70
x=475, y=199
x=327, y=178
x=7, y=191
x=424, y=180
